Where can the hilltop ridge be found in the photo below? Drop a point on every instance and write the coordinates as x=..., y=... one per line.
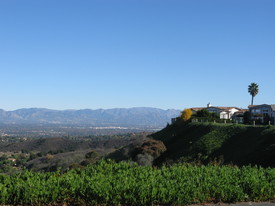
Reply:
x=225, y=143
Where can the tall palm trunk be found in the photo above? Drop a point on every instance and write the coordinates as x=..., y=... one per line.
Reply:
x=252, y=100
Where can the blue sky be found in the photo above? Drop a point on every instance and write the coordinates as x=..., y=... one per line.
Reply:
x=71, y=54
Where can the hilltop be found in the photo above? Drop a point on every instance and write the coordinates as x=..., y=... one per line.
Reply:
x=224, y=143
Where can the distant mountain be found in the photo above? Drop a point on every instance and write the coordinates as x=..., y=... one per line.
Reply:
x=139, y=116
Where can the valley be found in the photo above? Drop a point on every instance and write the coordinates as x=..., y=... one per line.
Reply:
x=228, y=162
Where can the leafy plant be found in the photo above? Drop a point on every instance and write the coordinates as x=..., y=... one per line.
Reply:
x=109, y=183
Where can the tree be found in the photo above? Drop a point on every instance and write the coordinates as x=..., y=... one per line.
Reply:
x=246, y=117
x=203, y=113
x=253, y=90
x=91, y=155
x=207, y=114
x=186, y=114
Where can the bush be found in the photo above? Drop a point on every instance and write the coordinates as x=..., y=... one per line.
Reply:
x=206, y=114
x=186, y=114
x=92, y=155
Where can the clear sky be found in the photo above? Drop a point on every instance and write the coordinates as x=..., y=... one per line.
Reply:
x=76, y=54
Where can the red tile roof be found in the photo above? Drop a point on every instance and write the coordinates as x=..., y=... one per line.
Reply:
x=225, y=108
x=197, y=108
x=221, y=108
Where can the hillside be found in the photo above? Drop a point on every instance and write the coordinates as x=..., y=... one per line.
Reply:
x=50, y=154
x=227, y=143
x=139, y=116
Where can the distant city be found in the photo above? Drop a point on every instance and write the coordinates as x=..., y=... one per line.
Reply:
x=37, y=122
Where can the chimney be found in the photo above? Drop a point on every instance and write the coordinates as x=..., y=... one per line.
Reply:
x=209, y=105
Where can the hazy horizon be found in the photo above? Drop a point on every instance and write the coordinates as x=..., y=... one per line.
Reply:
x=89, y=108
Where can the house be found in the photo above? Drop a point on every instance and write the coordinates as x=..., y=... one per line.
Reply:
x=222, y=112
x=238, y=116
x=263, y=112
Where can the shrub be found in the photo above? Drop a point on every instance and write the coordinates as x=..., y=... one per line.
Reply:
x=92, y=155
x=186, y=114
x=205, y=113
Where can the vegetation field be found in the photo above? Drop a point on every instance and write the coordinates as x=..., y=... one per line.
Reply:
x=50, y=154
x=109, y=183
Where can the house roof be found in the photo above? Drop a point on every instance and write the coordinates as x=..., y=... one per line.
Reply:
x=249, y=106
x=221, y=108
x=197, y=108
x=242, y=111
x=225, y=108
x=272, y=106
x=259, y=105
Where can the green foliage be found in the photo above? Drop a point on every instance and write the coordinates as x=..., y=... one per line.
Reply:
x=109, y=183
x=237, y=143
x=246, y=117
x=214, y=139
x=204, y=113
x=12, y=162
x=92, y=155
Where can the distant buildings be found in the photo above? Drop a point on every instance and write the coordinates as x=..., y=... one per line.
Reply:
x=259, y=114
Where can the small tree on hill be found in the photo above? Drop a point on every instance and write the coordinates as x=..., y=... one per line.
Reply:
x=186, y=114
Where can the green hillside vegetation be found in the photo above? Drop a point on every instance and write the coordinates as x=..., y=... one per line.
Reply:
x=109, y=183
x=51, y=154
x=223, y=143
x=143, y=152
x=181, y=151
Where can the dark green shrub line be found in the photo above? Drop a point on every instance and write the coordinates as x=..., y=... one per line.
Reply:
x=127, y=184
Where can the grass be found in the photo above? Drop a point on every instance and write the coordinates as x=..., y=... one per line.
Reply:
x=235, y=143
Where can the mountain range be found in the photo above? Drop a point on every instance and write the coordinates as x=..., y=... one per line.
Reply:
x=138, y=116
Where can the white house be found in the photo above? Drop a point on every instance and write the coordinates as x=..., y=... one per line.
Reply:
x=222, y=112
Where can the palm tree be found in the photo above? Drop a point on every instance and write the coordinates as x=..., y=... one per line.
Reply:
x=253, y=89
